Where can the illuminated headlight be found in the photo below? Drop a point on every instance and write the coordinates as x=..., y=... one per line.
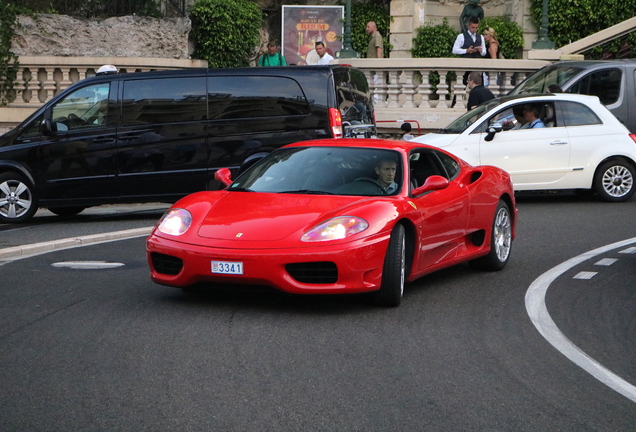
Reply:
x=336, y=229
x=175, y=222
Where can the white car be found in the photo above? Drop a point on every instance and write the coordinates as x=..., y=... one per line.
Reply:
x=582, y=146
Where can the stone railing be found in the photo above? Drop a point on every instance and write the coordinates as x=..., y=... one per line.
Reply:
x=403, y=91
x=40, y=78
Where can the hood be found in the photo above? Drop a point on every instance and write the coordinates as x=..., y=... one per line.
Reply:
x=437, y=140
x=249, y=216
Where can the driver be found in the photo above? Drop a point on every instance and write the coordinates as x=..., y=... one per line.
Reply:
x=386, y=169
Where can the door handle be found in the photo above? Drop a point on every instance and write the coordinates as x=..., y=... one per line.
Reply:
x=101, y=140
x=558, y=142
x=128, y=137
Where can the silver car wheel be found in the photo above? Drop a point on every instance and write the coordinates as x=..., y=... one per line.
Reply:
x=502, y=234
x=15, y=199
x=617, y=181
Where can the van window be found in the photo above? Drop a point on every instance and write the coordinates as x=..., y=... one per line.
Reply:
x=164, y=100
x=236, y=97
x=576, y=114
x=606, y=84
x=84, y=108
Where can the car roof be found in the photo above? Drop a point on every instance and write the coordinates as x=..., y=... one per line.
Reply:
x=371, y=143
x=591, y=63
x=548, y=97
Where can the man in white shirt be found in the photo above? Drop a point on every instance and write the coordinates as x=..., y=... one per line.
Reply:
x=325, y=58
x=470, y=44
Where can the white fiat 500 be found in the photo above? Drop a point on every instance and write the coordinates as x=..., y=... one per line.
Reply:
x=547, y=142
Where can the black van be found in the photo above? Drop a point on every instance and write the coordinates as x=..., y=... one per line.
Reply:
x=158, y=136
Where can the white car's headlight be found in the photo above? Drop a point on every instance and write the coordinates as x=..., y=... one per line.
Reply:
x=175, y=222
x=335, y=229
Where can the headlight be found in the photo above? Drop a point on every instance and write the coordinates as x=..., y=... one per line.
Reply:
x=335, y=229
x=175, y=222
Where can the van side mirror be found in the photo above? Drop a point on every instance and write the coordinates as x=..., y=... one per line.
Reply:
x=45, y=127
x=224, y=175
x=493, y=129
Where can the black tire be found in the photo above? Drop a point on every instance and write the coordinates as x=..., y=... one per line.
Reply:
x=500, y=241
x=66, y=211
x=614, y=180
x=18, y=201
x=394, y=271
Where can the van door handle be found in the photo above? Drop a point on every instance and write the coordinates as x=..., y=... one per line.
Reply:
x=558, y=142
x=128, y=137
x=100, y=140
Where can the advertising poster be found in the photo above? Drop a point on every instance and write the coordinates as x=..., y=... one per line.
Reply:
x=303, y=26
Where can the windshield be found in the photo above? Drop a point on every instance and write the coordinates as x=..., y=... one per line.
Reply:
x=465, y=121
x=325, y=171
x=539, y=82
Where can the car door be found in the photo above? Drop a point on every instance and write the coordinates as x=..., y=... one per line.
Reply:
x=161, y=144
x=443, y=214
x=535, y=158
x=76, y=152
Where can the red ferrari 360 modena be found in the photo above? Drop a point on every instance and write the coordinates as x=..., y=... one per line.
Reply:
x=338, y=216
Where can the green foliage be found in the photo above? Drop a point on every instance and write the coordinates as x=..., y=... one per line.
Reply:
x=8, y=60
x=570, y=21
x=361, y=14
x=225, y=32
x=509, y=35
x=434, y=41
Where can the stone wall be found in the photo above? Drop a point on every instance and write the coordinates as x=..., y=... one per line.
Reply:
x=128, y=36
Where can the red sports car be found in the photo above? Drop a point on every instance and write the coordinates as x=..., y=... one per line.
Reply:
x=338, y=216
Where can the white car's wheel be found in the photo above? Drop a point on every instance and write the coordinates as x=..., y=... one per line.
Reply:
x=614, y=180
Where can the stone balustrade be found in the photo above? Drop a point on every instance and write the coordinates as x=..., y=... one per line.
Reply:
x=402, y=88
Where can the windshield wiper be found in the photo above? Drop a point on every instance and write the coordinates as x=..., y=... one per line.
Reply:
x=308, y=192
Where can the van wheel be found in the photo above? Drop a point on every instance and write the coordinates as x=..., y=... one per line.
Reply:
x=18, y=202
x=614, y=180
x=66, y=211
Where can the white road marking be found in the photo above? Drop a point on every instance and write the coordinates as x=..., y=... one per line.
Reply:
x=585, y=275
x=87, y=265
x=538, y=312
x=631, y=250
x=606, y=262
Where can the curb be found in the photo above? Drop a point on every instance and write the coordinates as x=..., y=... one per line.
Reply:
x=24, y=251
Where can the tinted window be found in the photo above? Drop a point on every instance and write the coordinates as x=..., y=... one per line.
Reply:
x=249, y=96
x=84, y=108
x=606, y=84
x=576, y=114
x=164, y=100
x=34, y=128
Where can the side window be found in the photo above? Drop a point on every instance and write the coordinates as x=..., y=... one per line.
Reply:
x=33, y=130
x=506, y=119
x=236, y=97
x=164, y=100
x=576, y=114
x=450, y=164
x=84, y=108
x=422, y=165
x=606, y=84
x=522, y=116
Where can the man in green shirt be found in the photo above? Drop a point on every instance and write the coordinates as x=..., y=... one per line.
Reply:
x=272, y=57
x=375, y=44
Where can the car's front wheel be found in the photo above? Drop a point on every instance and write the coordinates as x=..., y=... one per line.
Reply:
x=17, y=199
x=394, y=272
x=500, y=241
x=614, y=180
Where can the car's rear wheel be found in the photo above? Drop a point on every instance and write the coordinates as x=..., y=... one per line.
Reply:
x=17, y=199
x=66, y=211
x=500, y=241
x=614, y=180
x=394, y=272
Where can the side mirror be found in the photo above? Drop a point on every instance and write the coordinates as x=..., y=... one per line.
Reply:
x=224, y=175
x=46, y=128
x=493, y=129
x=432, y=183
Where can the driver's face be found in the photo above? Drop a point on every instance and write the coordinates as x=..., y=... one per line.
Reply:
x=386, y=172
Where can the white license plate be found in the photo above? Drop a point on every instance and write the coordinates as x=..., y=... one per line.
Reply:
x=227, y=267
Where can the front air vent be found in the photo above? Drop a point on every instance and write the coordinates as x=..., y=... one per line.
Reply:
x=166, y=264
x=323, y=272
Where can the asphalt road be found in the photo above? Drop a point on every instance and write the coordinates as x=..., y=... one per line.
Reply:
x=108, y=350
